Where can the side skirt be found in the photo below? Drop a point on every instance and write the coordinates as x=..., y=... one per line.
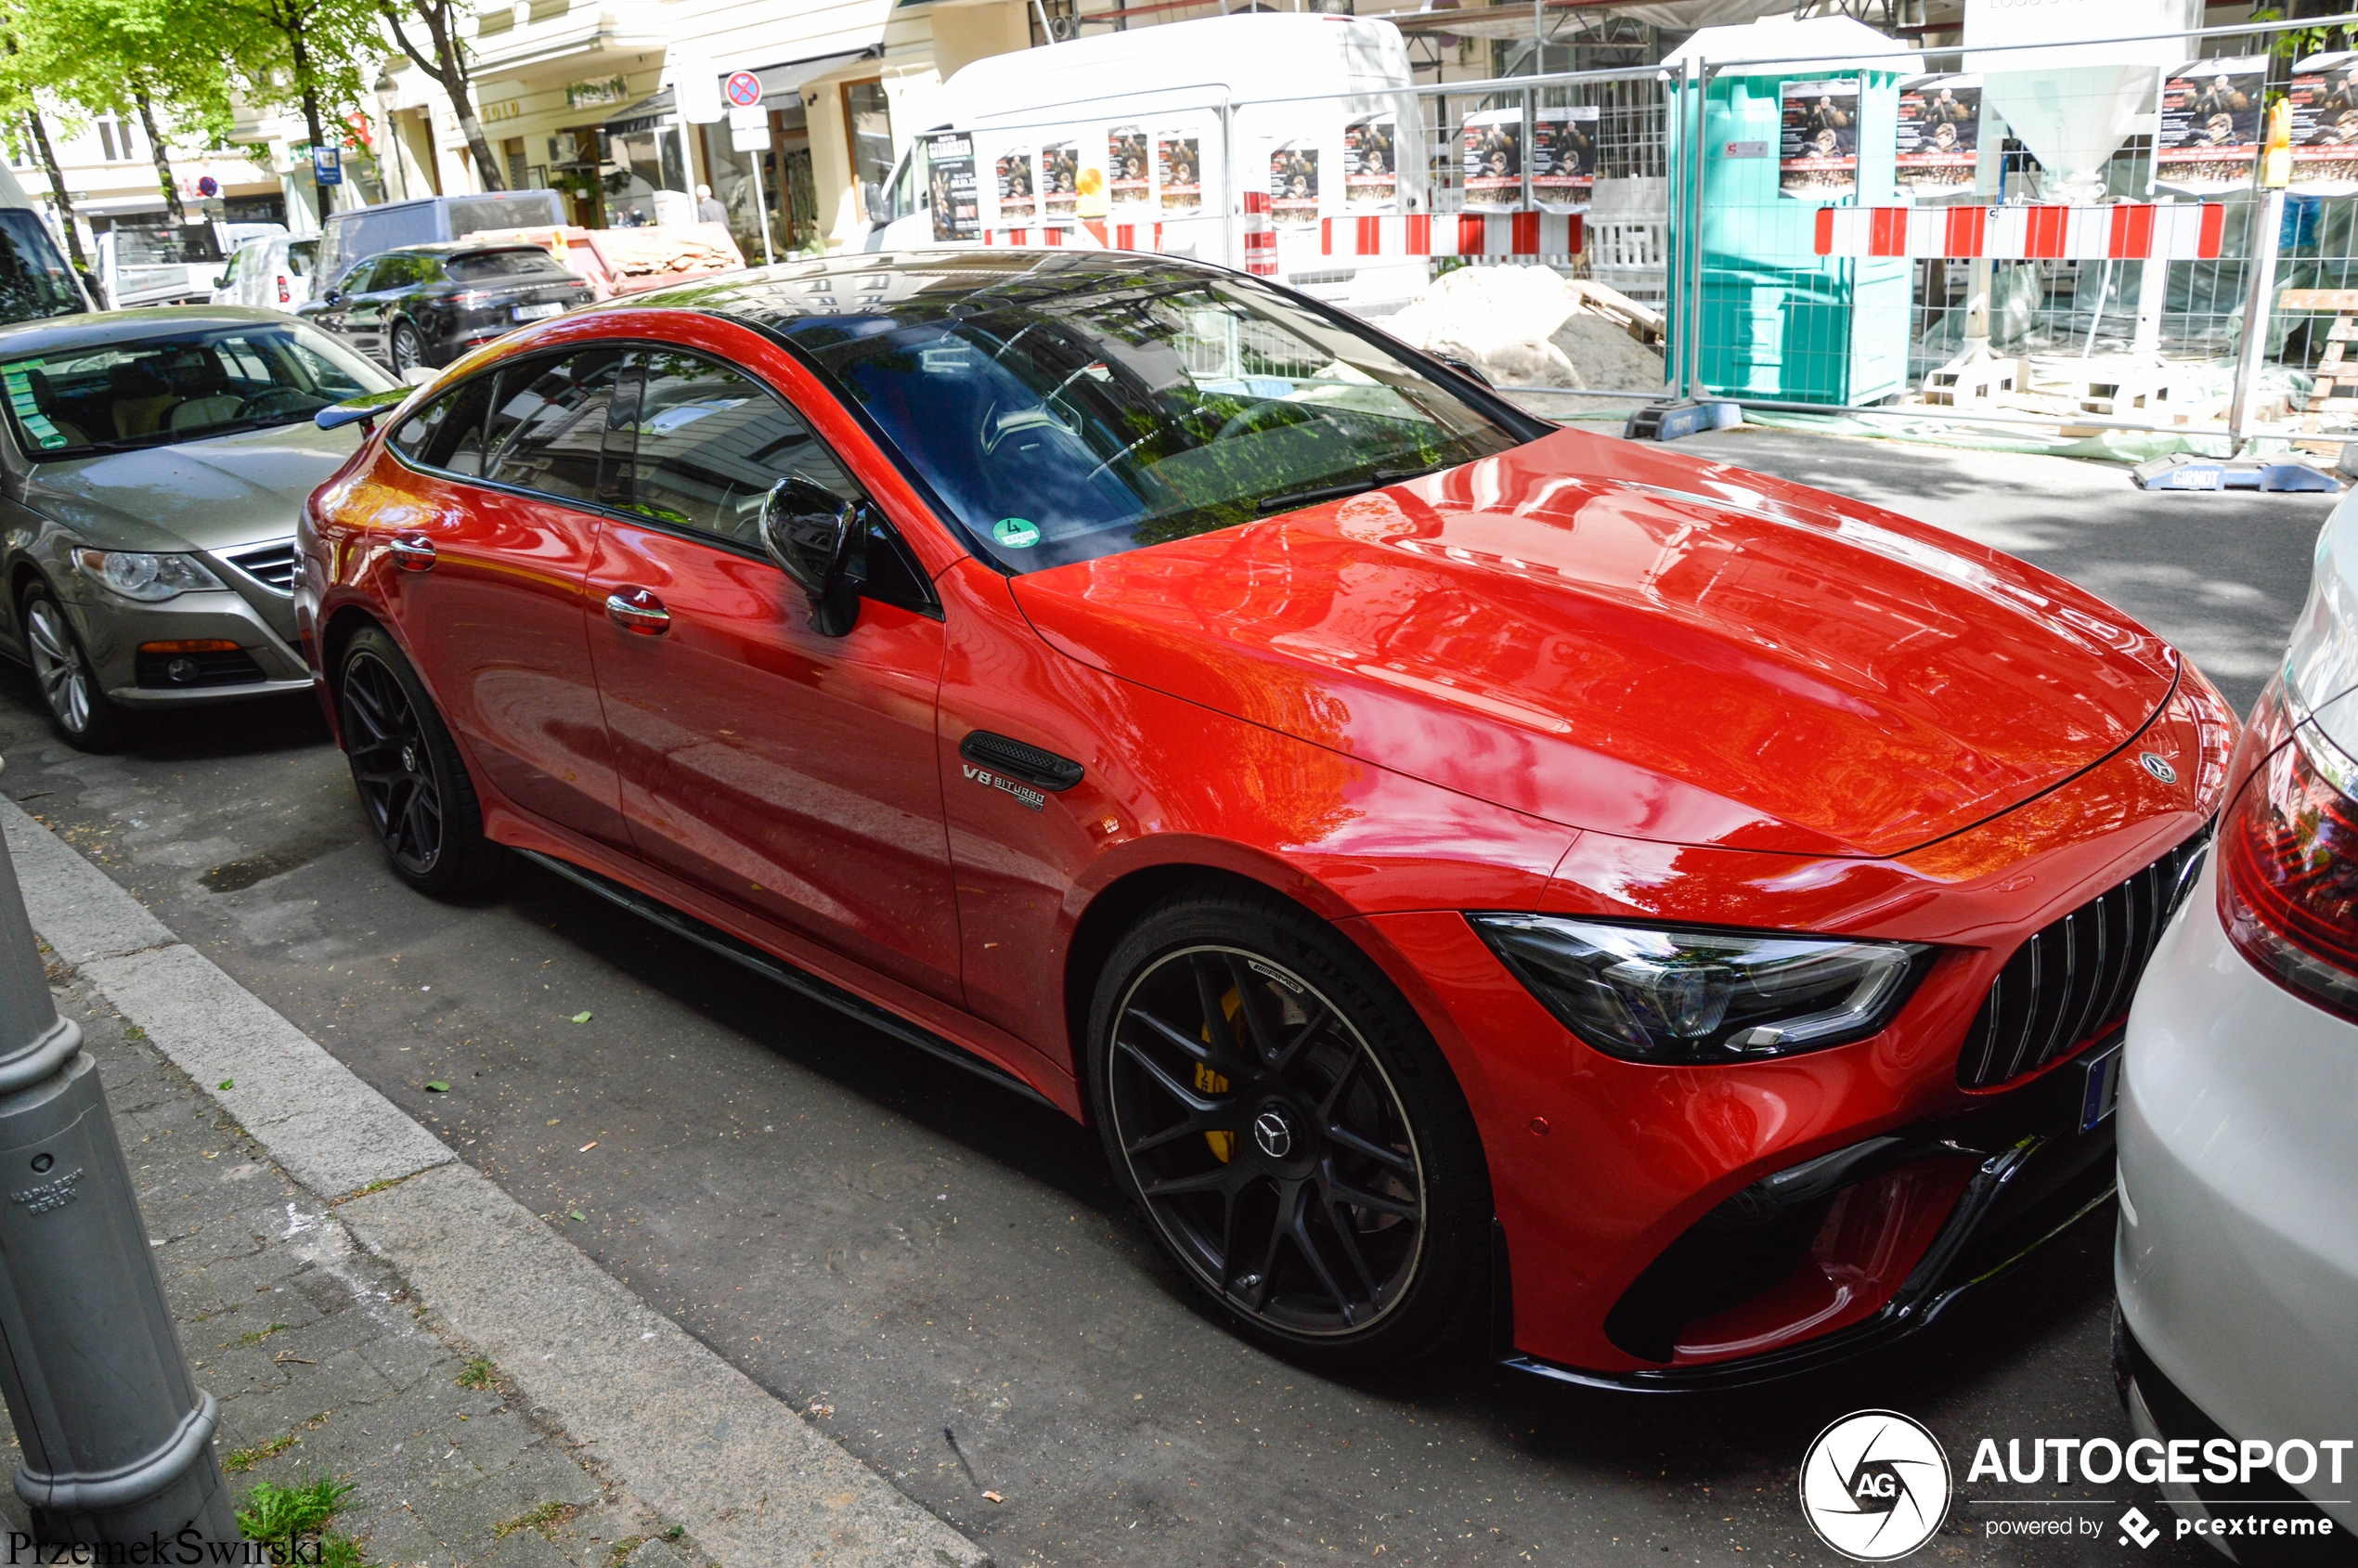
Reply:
x=785, y=974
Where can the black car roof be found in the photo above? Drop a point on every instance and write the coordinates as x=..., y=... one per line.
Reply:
x=930, y=282
x=62, y=334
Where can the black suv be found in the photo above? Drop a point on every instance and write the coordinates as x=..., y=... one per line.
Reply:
x=427, y=304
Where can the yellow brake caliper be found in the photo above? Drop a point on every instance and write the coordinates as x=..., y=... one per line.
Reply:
x=1211, y=1083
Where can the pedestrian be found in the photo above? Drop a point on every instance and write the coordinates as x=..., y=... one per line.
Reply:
x=708, y=207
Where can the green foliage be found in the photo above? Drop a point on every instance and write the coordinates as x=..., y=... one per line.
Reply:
x=240, y=1460
x=477, y=1373
x=2300, y=42
x=276, y=1513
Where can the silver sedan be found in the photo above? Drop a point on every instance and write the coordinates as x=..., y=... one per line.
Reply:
x=151, y=469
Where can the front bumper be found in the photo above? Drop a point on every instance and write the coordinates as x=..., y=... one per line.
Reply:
x=1942, y=1208
x=113, y=630
x=2236, y=1261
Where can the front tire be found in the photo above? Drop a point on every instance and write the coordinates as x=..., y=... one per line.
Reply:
x=79, y=710
x=1290, y=1131
x=414, y=786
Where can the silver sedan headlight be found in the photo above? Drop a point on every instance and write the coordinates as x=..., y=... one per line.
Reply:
x=143, y=576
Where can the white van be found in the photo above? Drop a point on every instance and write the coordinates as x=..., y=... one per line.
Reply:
x=1139, y=128
x=272, y=272
x=35, y=282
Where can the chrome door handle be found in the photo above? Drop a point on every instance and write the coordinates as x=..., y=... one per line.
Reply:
x=635, y=609
x=412, y=553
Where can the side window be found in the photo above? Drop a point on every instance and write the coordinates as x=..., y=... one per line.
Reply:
x=547, y=429
x=711, y=442
x=447, y=432
x=356, y=280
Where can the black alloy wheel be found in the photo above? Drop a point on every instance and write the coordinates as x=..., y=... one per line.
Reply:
x=407, y=349
x=413, y=787
x=1291, y=1134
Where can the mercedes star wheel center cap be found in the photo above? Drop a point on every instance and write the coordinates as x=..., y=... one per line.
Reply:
x=1273, y=1130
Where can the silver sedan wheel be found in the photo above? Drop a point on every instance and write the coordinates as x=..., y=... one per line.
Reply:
x=57, y=663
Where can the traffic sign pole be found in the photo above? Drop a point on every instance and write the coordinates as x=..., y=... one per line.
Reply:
x=744, y=92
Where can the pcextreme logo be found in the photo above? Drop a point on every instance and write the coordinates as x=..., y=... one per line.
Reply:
x=1875, y=1485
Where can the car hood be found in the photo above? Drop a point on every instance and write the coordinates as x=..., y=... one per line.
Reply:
x=1612, y=638
x=208, y=495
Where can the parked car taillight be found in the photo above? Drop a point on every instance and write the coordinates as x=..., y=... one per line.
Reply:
x=2288, y=856
x=283, y=295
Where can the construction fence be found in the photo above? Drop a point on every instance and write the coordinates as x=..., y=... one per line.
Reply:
x=2073, y=235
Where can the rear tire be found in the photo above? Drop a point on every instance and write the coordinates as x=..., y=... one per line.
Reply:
x=406, y=347
x=1309, y=1162
x=79, y=710
x=414, y=786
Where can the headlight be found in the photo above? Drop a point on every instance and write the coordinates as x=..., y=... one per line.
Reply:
x=138, y=575
x=1693, y=996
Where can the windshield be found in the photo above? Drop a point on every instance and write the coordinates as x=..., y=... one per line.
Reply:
x=527, y=262
x=1066, y=419
x=158, y=391
x=33, y=280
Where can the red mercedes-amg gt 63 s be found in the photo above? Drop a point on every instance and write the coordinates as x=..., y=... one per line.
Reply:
x=1474, y=875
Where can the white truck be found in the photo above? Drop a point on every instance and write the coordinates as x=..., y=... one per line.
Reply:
x=151, y=260
x=1143, y=130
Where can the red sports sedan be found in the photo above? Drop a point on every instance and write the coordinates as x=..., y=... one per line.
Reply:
x=1472, y=874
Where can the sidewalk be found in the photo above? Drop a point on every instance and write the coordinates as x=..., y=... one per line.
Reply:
x=369, y=1308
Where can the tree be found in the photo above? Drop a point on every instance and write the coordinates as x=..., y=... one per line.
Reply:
x=448, y=66
x=64, y=199
x=19, y=73
x=322, y=45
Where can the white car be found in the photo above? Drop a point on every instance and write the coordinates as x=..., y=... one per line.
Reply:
x=2237, y=1256
x=269, y=273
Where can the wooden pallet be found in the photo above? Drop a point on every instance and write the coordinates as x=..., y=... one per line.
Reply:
x=2336, y=389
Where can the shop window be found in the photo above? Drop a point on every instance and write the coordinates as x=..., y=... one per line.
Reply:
x=868, y=120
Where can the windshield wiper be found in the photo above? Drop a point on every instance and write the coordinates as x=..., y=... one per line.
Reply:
x=1375, y=481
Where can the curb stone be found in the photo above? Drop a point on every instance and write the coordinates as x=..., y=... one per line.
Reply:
x=689, y=1434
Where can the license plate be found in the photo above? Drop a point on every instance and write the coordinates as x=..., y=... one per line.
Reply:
x=2099, y=1089
x=539, y=312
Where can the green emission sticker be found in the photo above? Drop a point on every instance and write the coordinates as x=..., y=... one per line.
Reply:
x=1015, y=533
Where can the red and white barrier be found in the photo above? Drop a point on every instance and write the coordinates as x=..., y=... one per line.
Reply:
x=2121, y=231
x=1083, y=235
x=1524, y=233
x=1261, y=236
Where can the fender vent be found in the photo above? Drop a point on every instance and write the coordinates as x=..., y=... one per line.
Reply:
x=1043, y=770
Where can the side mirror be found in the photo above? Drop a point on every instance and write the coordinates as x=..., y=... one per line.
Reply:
x=222, y=282
x=816, y=537
x=333, y=296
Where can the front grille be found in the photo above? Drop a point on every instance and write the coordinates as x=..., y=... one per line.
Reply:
x=2073, y=979
x=214, y=667
x=273, y=564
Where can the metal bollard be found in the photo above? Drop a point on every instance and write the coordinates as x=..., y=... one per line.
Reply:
x=117, y=1438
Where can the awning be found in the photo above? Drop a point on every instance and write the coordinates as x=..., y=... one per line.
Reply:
x=644, y=115
x=782, y=84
